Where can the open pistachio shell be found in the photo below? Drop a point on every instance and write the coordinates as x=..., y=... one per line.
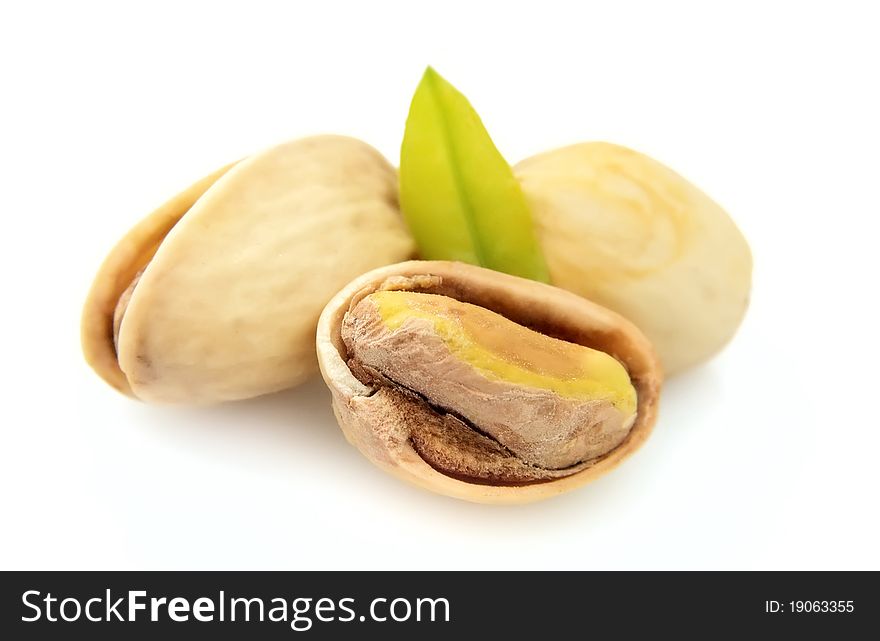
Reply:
x=410, y=420
x=621, y=229
x=216, y=295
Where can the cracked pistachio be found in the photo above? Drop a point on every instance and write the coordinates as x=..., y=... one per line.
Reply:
x=621, y=229
x=484, y=386
x=215, y=296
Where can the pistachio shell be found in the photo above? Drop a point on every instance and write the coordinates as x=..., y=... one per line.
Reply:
x=380, y=427
x=232, y=274
x=621, y=229
x=121, y=267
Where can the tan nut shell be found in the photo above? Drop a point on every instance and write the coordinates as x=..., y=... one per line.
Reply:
x=621, y=229
x=367, y=421
x=238, y=268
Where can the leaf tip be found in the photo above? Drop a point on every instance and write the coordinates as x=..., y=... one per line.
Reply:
x=432, y=78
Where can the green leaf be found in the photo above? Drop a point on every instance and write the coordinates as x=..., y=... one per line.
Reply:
x=458, y=194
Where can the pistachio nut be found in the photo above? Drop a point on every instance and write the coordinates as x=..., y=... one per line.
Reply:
x=484, y=386
x=215, y=296
x=621, y=229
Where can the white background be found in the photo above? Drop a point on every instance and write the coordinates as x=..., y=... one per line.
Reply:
x=764, y=458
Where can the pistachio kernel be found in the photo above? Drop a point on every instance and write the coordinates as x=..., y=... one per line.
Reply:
x=495, y=401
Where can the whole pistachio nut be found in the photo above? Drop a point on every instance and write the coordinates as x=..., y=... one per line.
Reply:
x=215, y=296
x=484, y=386
x=621, y=229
